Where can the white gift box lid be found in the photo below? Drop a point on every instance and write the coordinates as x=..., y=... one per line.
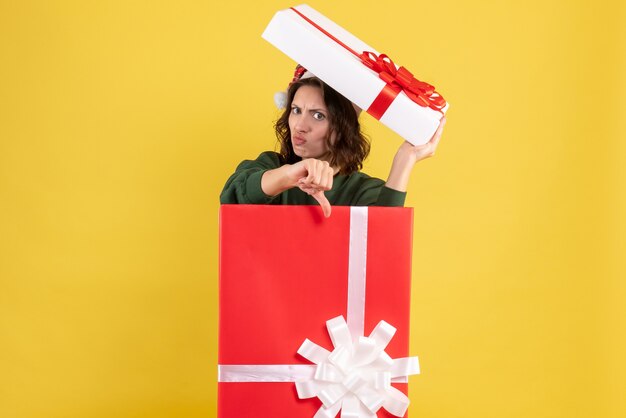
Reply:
x=293, y=31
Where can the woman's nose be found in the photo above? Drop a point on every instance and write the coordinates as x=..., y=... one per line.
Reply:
x=302, y=125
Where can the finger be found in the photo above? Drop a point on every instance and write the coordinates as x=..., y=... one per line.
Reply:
x=306, y=181
x=324, y=203
x=308, y=166
x=309, y=190
x=440, y=127
x=428, y=149
x=329, y=179
x=432, y=144
x=439, y=130
x=319, y=171
x=323, y=183
x=435, y=139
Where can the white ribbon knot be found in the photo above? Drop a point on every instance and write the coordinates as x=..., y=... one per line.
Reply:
x=355, y=378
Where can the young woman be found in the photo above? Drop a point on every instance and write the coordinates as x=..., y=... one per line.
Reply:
x=321, y=152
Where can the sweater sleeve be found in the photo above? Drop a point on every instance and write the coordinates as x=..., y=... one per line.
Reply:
x=244, y=186
x=373, y=192
x=390, y=197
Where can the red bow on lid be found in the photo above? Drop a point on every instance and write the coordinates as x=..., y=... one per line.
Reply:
x=401, y=79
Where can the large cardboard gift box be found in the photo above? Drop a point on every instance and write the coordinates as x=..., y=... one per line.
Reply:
x=289, y=281
x=391, y=94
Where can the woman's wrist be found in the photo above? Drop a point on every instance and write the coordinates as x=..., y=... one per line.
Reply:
x=277, y=180
x=398, y=177
x=401, y=168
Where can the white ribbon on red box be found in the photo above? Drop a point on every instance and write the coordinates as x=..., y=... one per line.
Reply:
x=355, y=378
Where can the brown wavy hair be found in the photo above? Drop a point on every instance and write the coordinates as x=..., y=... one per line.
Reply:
x=350, y=148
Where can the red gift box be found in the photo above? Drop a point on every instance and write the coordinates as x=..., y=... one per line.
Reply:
x=284, y=272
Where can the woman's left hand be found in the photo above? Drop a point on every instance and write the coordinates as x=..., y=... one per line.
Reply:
x=417, y=153
x=409, y=154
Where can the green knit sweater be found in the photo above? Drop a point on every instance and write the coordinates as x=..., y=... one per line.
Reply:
x=357, y=189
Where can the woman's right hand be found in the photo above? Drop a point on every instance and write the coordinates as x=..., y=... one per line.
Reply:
x=313, y=177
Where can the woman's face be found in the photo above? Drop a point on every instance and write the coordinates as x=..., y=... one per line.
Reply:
x=309, y=124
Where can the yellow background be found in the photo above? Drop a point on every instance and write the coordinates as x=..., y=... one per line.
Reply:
x=121, y=120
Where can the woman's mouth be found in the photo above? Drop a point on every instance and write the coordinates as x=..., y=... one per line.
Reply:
x=298, y=140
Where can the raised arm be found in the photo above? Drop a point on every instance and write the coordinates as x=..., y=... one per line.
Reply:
x=406, y=157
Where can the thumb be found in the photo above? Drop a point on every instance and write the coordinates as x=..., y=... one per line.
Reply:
x=324, y=203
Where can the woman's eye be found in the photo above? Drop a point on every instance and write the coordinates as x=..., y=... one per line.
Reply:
x=319, y=116
x=295, y=110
